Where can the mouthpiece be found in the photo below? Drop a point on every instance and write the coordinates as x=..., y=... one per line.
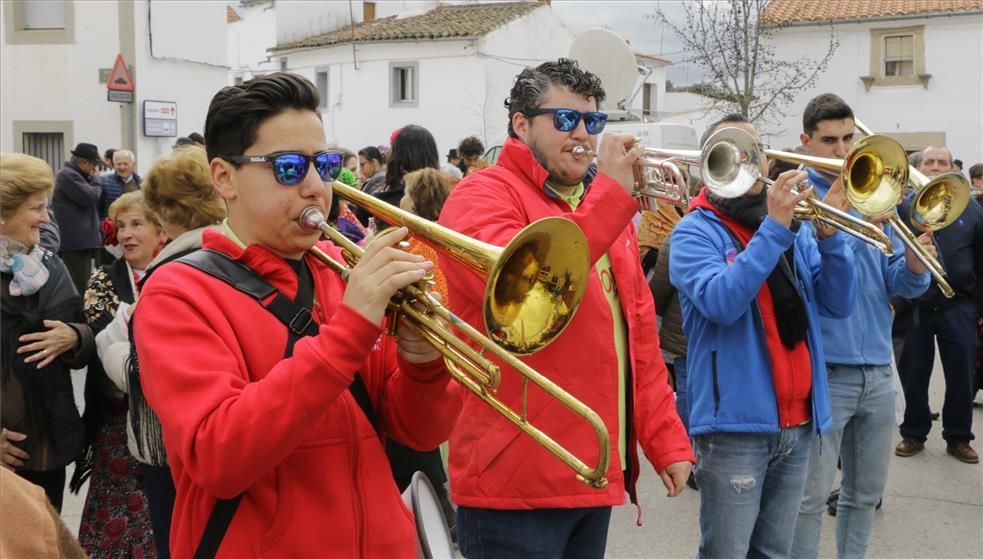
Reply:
x=311, y=217
x=580, y=151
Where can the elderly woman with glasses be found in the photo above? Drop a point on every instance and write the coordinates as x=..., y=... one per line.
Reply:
x=44, y=335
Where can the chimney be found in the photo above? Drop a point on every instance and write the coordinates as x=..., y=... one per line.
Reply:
x=368, y=11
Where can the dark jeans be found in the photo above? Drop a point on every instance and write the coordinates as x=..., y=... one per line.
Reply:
x=52, y=481
x=159, y=486
x=955, y=330
x=533, y=534
x=79, y=264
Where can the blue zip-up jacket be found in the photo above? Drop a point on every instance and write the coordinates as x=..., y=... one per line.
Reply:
x=864, y=337
x=730, y=386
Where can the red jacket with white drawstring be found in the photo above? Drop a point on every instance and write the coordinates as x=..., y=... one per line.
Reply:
x=492, y=463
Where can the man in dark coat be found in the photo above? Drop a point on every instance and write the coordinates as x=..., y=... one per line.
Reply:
x=76, y=206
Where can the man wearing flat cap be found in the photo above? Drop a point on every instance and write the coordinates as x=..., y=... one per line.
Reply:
x=76, y=207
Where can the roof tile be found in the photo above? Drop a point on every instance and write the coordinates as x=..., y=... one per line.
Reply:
x=799, y=11
x=457, y=21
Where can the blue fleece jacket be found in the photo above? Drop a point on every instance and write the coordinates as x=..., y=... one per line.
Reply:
x=730, y=385
x=864, y=337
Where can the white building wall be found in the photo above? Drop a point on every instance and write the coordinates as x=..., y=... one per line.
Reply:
x=188, y=66
x=248, y=41
x=952, y=102
x=60, y=82
x=359, y=112
x=462, y=83
x=527, y=41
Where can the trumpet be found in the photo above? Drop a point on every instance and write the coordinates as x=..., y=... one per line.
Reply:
x=729, y=166
x=658, y=180
x=415, y=308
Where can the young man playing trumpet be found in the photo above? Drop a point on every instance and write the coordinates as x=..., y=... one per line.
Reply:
x=858, y=351
x=752, y=283
x=245, y=413
x=514, y=498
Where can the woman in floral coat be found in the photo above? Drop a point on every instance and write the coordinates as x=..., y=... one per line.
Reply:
x=116, y=519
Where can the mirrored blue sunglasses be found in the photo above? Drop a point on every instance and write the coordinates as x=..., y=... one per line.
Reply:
x=566, y=120
x=290, y=167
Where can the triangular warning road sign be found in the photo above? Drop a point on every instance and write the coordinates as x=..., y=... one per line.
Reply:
x=119, y=78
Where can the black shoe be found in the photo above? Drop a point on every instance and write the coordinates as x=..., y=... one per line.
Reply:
x=691, y=482
x=831, y=502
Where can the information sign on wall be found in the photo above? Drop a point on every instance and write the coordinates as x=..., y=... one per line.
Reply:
x=159, y=118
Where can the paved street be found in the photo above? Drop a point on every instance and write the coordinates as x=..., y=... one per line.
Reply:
x=933, y=508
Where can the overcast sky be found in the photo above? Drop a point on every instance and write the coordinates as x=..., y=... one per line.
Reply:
x=636, y=22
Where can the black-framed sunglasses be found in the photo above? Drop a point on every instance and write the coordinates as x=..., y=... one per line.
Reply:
x=566, y=120
x=290, y=167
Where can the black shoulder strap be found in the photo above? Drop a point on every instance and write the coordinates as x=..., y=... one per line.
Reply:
x=296, y=315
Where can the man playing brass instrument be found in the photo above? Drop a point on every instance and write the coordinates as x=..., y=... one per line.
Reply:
x=752, y=283
x=514, y=498
x=858, y=362
x=247, y=413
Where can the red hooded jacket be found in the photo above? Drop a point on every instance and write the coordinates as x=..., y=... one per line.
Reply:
x=492, y=463
x=237, y=417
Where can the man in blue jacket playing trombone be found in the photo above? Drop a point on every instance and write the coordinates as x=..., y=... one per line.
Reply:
x=752, y=284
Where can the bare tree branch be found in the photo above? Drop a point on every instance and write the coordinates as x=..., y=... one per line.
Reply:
x=725, y=38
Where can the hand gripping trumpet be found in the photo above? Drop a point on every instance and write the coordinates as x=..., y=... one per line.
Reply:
x=415, y=308
x=658, y=180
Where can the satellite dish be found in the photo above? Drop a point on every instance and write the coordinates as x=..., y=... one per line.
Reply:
x=608, y=56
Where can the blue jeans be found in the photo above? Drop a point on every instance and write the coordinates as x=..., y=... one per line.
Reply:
x=534, y=534
x=682, y=399
x=750, y=488
x=862, y=398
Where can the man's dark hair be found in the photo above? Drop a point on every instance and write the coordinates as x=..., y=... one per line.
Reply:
x=413, y=148
x=237, y=111
x=529, y=90
x=729, y=117
x=371, y=153
x=824, y=107
x=470, y=147
x=958, y=163
x=109, y=155
x=976, y=171
x=196, y=138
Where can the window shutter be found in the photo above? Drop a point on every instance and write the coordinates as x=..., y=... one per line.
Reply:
x=43, y=14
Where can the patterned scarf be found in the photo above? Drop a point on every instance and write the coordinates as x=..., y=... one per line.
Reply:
x=25, y=264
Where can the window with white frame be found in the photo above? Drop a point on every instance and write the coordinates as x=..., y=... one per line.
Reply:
x=404, y=84
x=322, y=88
x=897, y=58
x=899, y=55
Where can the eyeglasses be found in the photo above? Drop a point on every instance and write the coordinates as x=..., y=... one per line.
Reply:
x=290, y=167
x=566, y=120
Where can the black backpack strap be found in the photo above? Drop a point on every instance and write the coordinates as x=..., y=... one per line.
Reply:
x=218, y=524
x=296, y=315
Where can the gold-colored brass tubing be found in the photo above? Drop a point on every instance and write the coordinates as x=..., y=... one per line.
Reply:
x=469, y=367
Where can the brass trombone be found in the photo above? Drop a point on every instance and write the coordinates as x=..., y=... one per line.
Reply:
x=729, y=166
x=555, y=247
x=937, y=204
